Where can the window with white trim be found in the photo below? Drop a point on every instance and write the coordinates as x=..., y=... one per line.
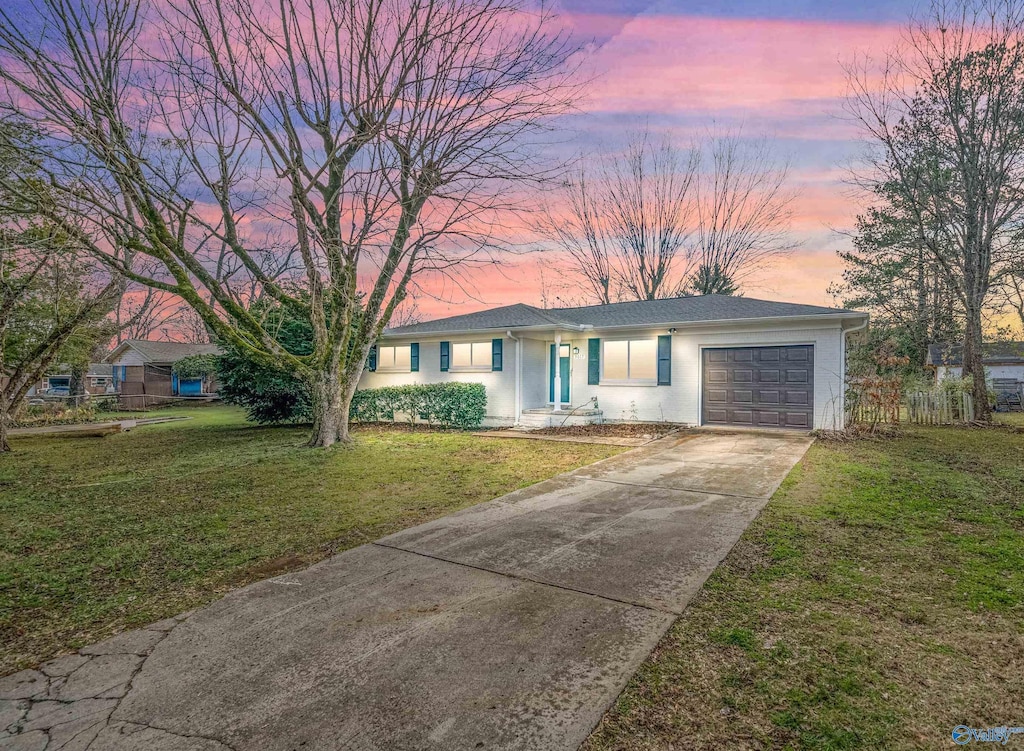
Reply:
x=471, y=355
x=629, y=361
x=395, y=359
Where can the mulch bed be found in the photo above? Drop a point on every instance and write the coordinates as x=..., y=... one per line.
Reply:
x=613, y=430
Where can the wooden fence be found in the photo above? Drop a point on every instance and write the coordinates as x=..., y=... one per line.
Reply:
x=939, y=407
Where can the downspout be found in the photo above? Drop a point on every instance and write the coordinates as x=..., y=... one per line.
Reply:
x=519, y=377
x=847, y=332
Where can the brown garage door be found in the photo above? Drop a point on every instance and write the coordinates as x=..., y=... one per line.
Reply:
x=768, y=387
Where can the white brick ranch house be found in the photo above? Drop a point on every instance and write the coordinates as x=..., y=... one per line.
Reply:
x=707, y=360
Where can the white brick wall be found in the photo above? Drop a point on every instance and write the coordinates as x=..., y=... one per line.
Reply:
x=679, y=402
x=500, y=385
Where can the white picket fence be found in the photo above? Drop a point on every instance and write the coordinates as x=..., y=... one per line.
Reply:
x=939, y=407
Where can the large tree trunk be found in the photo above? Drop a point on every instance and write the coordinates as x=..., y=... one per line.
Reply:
x=973, y=365
x=76, y=391
x=331, y=394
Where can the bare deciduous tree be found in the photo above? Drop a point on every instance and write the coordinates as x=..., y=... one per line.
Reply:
x=660, y=221
x=944, y=114
x=744, y=210
x=579, y=228
x=373, y=139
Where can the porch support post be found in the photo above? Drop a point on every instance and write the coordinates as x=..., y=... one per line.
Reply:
x=557, y=401
x=519, y=377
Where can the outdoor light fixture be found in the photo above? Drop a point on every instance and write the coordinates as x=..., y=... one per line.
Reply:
x=575, y=350
x=671, y=331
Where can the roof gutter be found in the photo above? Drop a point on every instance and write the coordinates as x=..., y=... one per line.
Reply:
x=809, y=318
x=842, y=395
x=462, y=332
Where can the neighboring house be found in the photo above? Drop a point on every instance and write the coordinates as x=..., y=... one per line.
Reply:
x=1004, y=369
x=97, y=379
x=707, y=360
x=1002, y=360
x=141, y=366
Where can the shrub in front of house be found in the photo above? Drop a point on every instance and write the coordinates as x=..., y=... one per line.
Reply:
x=447, y=405
x=195, y=366
x=268, y=395
x=54, y=413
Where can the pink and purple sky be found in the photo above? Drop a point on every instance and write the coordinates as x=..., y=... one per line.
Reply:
x=772, y=68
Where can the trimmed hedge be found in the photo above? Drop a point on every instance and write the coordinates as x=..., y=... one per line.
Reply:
x=448, y=405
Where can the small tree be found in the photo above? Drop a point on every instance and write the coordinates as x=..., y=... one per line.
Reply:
x=876, y=374
x=195, y=366
x=53, y=302
x=710, y=280
x=268, y=394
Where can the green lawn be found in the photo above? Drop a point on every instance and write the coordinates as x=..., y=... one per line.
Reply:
x=875, y=603
x=1010, y=418
x=102, y=534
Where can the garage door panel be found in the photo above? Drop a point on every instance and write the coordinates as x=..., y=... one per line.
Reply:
x=798, y=376
x=731, y=395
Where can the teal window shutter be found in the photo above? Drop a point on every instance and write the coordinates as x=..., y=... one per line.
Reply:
x=445, y=355
x=372, y=359
x=593, y=361
x=496, y=347
x=665, y=360
x=414, y=357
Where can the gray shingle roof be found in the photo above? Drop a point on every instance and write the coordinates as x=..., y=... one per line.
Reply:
x=167, y=351
x=991, y=352
x=95, y=369
x=703, y=308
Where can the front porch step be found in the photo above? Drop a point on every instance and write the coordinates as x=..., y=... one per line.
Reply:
x=548, y=418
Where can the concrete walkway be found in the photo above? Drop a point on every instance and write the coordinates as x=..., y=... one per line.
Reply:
x=510, y=625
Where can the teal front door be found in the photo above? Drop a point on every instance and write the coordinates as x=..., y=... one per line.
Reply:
x=563, y=373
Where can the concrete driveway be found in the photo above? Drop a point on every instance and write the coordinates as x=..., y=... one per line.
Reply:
x=510, y=625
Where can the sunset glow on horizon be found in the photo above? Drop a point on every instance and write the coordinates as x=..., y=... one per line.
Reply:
x=684, y=69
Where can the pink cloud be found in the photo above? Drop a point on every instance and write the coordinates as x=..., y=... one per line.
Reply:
x=687, y=64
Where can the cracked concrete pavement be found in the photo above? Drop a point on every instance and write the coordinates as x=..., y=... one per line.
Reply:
x=509, y=625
